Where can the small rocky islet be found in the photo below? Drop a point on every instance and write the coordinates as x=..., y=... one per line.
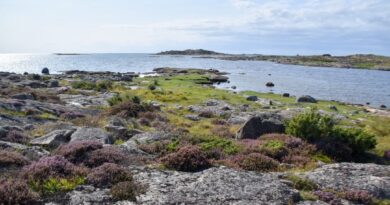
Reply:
x=171, y=137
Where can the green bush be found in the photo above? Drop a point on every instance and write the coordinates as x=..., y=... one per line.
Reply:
x=357, y=139
x=55, y=185
x=227, y=146
x=310, y=126
x=340, y=143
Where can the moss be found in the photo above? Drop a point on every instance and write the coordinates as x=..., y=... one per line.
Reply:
x=302, y=184
x=308, y=196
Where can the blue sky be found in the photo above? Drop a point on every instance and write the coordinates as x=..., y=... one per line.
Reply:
x=235, y=26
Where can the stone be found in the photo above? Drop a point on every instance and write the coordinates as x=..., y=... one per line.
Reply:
x=54, y=138
x=45, y=71
x=286, y=95
x=192, y=117
x=259, y=125
x=218, y=78
x=383, y=106
x=252, y=98
x=88, y=195
x=373, y=178
x=54, y=84
x=32, y=153
x=85, y=133
x=332, y=107
x=270, y=84
x=234, y=87
x=23, y=96
x=218, y=185
x=306, y=99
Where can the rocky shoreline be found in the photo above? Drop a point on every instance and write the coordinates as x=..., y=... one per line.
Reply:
x=174, y=139
x=358, y=61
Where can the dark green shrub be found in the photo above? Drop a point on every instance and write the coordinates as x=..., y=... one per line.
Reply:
x=310, y=125
x=357, y=139
x=339, y=143
x=152, y=87
x=89, y=85
x=129, y=109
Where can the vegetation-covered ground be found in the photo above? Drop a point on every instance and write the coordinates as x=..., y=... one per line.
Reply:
x=96, y=130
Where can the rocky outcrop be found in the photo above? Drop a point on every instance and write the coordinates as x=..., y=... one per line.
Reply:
x=259, y=125
x=54, y=139
x=85, y=133
x=213, y=186
x=351, y=176
x=32, y=153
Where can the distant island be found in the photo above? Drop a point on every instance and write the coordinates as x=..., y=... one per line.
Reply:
x=190, y=52
x=68, y=54
x=360, y=61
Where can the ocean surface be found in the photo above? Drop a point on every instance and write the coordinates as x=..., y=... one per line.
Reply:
x=347, y=85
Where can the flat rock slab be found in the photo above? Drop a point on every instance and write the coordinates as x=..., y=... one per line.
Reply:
x=86, y=133
x=213, y=186
x=85, y=100
x=54, y=138
x=351, y=176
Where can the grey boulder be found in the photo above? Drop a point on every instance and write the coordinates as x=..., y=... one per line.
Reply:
x=86, y=133
x=261, y=124
x=306, y=99
x=54, y=139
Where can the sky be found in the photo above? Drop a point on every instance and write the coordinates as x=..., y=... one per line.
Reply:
x=289, y=27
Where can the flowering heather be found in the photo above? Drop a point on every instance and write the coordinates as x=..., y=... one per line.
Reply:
x=54, y=166
x=105, y=155
x=253, y=162
x=77, y=151
x=126, y=190
x=187, y=159
x=360, y=197
x=108, y=174
x=387, y=154
x=328, y=197
x=11, y=158
x=16, y=191
x=15, y=136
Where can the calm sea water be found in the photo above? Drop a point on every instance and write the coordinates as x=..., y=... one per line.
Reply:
x=348, y=85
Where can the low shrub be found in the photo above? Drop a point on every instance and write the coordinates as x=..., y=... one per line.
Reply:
x=89, y=85
x=187, y=159
x=11, y=158
x=105, y=155
x=126, y=190
x=222, y=131
x=227, y=146
x=274, y=149
x=16, y=137
x=254, y=162
x=129, y=109
x=342, y=144
x=310, y=126
x=108, y=174
x=16, y=191
x=328, y=197
x=301, y=183
x=54, y=166
x=358, y=140
x=359, y=197
x=77, y=151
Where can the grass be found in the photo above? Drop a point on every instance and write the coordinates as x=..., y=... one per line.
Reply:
x=379, y=126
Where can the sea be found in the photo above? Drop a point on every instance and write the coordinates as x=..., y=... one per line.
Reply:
x=358, y=86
